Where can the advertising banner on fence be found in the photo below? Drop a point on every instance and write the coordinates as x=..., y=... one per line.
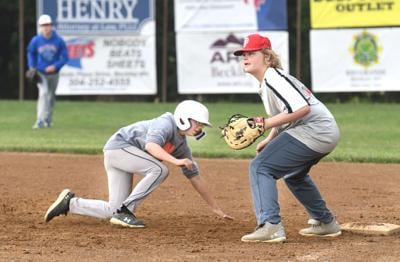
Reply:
x=355, y=60
x=206, y=63
x=99, y=16
x=230, y=15
x=354, y=13
x=111, y=46
x=109, y=65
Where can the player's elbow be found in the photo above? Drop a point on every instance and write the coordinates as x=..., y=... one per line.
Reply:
x=301, y=112
x=148, y=146
x=151, y=147
x=307, y=110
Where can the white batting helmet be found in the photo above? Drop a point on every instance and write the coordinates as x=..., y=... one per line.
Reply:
x=190, y=109
x=44, y=20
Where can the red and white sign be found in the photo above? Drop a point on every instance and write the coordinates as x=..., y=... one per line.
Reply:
x=206, y=63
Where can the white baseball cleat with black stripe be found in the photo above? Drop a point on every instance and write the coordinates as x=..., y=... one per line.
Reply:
x=60, y=206
x=124, y=217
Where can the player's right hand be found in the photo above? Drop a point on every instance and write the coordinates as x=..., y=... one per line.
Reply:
x=261, y=145
x=185, y=162
x=50, y=69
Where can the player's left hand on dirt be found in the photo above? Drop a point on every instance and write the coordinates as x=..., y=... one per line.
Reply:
x=222, y=215
x=227, y=217
x=241, y=131
x=33, y=76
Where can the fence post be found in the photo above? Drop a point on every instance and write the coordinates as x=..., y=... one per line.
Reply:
x=164, y=70
x=21, y=51
x=298, y=39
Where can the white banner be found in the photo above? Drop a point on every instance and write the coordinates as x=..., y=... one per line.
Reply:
x=109, y=65
x=230, y=15
x=353, y=60
x=111, y=45
x=206, y=63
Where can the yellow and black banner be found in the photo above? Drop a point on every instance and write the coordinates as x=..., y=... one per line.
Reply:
x=354, y=13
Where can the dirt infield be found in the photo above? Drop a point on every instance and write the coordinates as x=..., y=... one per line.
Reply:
x=180, y=226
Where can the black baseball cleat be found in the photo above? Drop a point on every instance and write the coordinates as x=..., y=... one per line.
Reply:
x=124, y=217
x=60, y=206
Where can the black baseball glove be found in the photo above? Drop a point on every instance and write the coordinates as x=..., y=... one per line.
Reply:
x=33, y=76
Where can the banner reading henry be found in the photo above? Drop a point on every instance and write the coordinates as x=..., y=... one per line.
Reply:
x=354, y=13
x=212, y=68
x=355, y=60
x=111, y=45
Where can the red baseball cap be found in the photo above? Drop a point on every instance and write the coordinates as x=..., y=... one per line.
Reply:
x=254, y=42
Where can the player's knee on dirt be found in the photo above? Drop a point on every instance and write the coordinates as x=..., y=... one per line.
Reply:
x=164, y=172
x=160, y=171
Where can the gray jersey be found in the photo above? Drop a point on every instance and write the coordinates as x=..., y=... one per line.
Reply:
x=162, y=131
x=281, y=92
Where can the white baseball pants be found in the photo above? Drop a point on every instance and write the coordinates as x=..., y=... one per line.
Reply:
x=46, y=97
x=120, y=165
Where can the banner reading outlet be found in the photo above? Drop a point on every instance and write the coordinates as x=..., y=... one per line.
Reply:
x=354, y=13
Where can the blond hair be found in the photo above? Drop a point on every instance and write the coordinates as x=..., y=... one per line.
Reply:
x=272, y=59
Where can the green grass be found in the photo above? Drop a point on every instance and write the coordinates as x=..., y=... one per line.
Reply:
x=369, y=132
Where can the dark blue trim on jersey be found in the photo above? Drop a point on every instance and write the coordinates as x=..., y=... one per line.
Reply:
x=280, y=97
x=293, y=85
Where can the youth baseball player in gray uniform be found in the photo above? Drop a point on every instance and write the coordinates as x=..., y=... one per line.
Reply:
x=302, y=132
x=140, y=149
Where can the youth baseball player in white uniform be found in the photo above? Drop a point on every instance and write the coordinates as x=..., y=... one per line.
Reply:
x=140, y=149
x=302, y=132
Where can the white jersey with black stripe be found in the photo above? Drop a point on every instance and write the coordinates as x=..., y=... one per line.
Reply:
x=281, y=92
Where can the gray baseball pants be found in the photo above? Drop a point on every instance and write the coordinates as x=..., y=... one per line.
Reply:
x=120, y=165
x=47, y=97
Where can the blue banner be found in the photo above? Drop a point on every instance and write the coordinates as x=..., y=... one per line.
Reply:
x=98, y=16
x=271, y=14
x=230, y=15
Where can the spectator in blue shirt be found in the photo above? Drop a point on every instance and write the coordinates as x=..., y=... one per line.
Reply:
x=47, y=53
